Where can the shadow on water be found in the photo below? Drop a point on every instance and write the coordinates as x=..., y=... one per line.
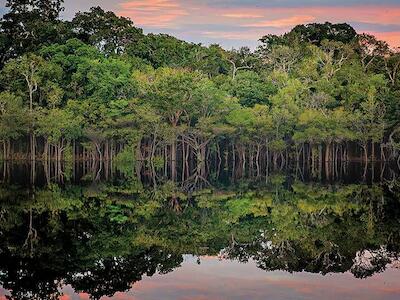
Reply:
x=42, y=174
x=99, y=228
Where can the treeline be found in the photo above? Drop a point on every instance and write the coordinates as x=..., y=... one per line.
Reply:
x=97, y=88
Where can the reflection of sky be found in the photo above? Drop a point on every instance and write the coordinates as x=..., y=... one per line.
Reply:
x=214, y=279
x=237, y=22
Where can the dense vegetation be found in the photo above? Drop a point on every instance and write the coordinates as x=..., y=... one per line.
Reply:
x=97, y=88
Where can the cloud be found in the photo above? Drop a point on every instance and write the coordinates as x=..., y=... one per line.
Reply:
x=292, y=3
x=239, y=22
x=153, y=13
x=242, y=15
x=358, y=13
x=284, y=22
x=393, y=38
x=226, y=35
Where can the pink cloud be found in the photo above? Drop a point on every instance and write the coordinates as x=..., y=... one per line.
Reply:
x=284, y=22
x=285, y=18
x=360, y=13
x=231, y=35
x=392, y=38
x=153, y=13
x=197, y=19
x=238, y=15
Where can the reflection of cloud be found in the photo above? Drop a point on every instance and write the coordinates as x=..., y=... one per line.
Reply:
x=152, y=13
x=122, y=296
x=284, y=22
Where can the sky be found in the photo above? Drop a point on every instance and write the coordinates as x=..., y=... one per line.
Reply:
x=235, y=23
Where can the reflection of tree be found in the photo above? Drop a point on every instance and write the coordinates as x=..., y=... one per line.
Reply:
x=369, y=262
x=117, y=274
x=323, y=230
x=287, y=255
x=41, y=277
x=73, y=238
x=102, y=238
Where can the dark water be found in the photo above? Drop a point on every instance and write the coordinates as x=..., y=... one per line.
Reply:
x=130, y=232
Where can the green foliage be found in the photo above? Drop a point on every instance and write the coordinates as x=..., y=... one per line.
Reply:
x=109, y=33
x=55, y=124
x=100, y=81
x=250, y=89
x=30, y=24
x=126, y=156
x=13, y=122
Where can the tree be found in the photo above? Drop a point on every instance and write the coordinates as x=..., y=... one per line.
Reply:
x=59, y=127
x=241, y=59
x=75, y=59
x=370, y=49
x=170, y=92
x=250, y=88
x=369, y=123
x=163, y=50
x=332, y=56
x=206, y=121
x=316, y=33
x=28, y=69
x=12, y=121
x=30, y=24
x=392, y=66
x=31, y=74
x=281, y=58
x=109, y=33
x=313, y=33
x=211, y=60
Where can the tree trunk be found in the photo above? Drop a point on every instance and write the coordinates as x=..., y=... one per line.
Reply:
x=107, y=150
x=372, y=151
x=45, y=150
x=139, y=155
x=327, y=152
x=33, y=146
x=383, y=156
x=4, y=150
x=365, y=148
x=173, y=160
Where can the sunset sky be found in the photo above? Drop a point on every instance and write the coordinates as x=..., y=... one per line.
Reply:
x=234, y=23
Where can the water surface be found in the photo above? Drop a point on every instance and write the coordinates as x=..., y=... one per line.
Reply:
x=108, y=232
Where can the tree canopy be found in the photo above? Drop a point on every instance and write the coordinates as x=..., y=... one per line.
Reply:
x=317, y=87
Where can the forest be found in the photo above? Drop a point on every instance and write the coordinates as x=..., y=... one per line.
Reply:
x=97, y=88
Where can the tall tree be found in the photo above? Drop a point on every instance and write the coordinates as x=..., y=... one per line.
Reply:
x=12, y=121
x=370, y=49
x=109, y=33
x=27, y=74
x=30, y=24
